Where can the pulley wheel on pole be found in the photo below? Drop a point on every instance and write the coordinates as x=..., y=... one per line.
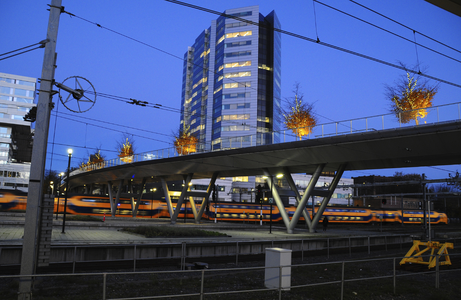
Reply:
x=77, y=94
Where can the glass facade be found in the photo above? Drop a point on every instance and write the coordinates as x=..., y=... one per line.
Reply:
x=233, y=69
x=16, y=99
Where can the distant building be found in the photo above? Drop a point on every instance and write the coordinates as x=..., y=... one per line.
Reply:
x=341, y=196
x=231, y=89
x=378, y=192
x=16, y=137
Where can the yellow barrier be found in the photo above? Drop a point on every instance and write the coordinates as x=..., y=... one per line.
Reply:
x=414, y=254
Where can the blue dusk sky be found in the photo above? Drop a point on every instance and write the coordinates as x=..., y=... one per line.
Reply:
x=340, y=85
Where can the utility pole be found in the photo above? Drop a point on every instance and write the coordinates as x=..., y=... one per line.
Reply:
x=37, y=169
x=424, y=207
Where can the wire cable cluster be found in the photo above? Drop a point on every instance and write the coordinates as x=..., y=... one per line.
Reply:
x=13, y=53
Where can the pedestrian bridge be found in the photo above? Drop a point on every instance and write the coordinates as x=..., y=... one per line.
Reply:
x=430, y=144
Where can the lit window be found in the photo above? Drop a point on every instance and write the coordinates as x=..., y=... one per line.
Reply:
x=218, y=89
x=240, y=179
x=237, y=85
x=238, y=34
x=238, y=64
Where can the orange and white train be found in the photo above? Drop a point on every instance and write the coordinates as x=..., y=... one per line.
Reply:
x=222, y=211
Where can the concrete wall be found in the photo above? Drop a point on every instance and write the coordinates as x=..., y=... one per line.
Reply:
x=79, y=253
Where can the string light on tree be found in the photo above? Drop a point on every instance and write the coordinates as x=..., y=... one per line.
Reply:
x=410, y=101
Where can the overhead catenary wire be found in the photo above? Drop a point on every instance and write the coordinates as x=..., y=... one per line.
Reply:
x=110, y=123
x=314, y=41
x=388, y=31
x=275, y=29
x=401, y=67
x=424, y=35
x=111, y=129
x=334, y=47
x=41, y=43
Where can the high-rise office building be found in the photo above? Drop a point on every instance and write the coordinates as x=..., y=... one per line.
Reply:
x=232, y=84
x=16, y=99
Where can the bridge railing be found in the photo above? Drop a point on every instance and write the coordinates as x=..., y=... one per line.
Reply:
x=436, y=114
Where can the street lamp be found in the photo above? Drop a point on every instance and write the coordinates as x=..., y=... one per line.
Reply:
x=69, y=151
x=272, y=196
x=57, y=191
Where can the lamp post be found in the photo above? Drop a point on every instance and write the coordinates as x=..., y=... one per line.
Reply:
x=271, y=199
x=69, y=151
x=57, y=191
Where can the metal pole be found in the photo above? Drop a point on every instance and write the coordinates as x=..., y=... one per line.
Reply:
x=394, y=274
x=67, y=193
x=424, y=208
x=37, y=168
x=202, y=284
x=59, y=184
x=401, y=205
x=429, y=217
x=104, y=282
x=272, y=199
x=342, y=280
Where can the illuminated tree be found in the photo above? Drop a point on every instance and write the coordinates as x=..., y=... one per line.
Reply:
x=185, y=142
x=126, y=151
x=410, y=98
x=299, y=117
x=94, y=159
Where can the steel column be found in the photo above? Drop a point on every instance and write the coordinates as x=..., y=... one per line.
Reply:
x=166, y=192
x=111, y=196
x=302, y=205
x=293, y=187
x=204, y=202
x=138, y=201
x=326, y=199
x=117, y=198
x=278, y=201
x=181, y=198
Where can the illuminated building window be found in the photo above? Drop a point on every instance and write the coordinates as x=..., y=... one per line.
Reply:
x=238, y=64
x=233, y=85
x=218, y=89
x=237, y=74
x=240, y=179
x=235, y=128
x=238, y=34
x=220, y=40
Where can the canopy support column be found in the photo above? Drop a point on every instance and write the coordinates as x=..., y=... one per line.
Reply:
x=167, y=197
x=117, y=198
x=139, y=197
x=111, y=196
x=181, y=198
x=307, y=193
x=205, y=200
x=326, y=199
x=278, y=200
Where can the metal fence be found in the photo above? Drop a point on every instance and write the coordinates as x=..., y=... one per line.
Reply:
x=139, y=254
x=238, y=281
x=436, y=114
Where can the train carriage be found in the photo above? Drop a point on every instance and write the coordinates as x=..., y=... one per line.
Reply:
x=222, y=211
